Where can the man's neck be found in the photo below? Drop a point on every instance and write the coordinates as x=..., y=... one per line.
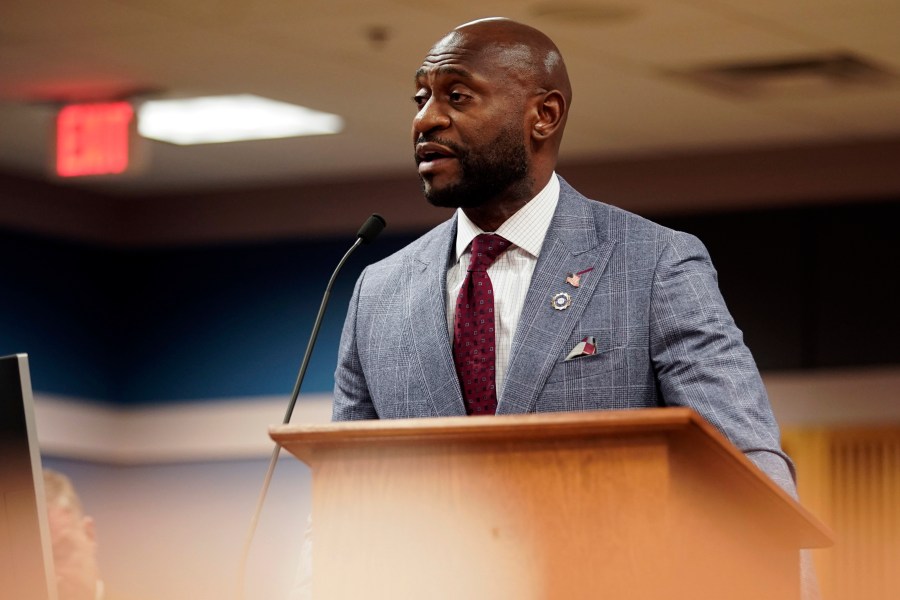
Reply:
x=491, y=215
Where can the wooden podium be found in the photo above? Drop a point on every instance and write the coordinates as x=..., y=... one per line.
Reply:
x=617, y=504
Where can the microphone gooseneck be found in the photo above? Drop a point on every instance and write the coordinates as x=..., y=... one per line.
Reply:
x=366, y=234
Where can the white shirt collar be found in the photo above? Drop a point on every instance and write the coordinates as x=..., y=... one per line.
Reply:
x=525, y=229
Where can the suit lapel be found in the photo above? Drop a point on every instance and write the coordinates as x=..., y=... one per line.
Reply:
x=572, y=245
x=431, y=340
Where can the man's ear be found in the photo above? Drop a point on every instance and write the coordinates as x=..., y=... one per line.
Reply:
x=551, y=109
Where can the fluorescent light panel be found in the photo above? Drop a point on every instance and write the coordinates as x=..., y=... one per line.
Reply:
x=217, y=119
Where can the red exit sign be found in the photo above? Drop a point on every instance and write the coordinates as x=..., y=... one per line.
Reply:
x=93, y=139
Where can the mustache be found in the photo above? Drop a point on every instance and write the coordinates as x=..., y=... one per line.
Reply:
x=458, y=150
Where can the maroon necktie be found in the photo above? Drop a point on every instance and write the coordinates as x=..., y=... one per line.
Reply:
x=473, y=328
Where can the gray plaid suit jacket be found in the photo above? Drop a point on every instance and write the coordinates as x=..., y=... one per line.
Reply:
x=664, y=335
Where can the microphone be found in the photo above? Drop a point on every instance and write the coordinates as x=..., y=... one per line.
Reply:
x=371, y=228
x=366, y=234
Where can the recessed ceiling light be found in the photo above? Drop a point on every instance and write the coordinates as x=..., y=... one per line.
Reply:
x=790, y=75
x=217, y=119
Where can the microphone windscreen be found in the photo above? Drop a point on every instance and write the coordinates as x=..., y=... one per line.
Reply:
x=371, y=228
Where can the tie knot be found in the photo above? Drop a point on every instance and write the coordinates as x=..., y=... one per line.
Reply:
x=486, y=247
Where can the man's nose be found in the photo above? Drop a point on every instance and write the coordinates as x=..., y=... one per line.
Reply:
x=431, y=116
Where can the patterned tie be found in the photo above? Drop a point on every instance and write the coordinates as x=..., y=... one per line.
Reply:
x=473, y=328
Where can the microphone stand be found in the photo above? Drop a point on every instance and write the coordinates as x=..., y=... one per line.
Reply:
x=369, y=230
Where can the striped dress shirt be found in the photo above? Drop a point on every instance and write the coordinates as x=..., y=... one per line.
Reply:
x=511, y=272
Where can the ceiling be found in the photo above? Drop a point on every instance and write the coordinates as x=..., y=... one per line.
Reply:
x=356, y=58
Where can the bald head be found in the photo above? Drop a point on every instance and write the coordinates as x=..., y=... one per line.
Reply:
x=524, y=50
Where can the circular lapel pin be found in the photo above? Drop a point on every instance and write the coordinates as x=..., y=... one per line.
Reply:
x=562, y=301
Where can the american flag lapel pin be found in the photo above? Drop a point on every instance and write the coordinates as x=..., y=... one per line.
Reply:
x=574, y=279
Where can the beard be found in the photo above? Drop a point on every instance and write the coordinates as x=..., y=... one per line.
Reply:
x=486, y=173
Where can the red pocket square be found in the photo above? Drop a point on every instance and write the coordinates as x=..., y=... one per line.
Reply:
x=586, y=347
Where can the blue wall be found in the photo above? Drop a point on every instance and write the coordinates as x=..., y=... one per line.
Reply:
x=173, y=324
x=55, y=304
x=811, y=288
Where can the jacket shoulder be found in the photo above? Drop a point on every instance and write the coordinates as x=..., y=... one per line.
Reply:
x=430, y=247
x=617, y=224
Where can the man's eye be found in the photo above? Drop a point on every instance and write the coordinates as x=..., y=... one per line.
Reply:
x=457, y=97
x=420, y=100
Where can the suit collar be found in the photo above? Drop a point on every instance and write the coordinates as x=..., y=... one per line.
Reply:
x=573, y=244
x=431, y=340
x=574, y=224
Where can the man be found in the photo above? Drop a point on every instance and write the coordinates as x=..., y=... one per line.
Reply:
x=577, y=305
x=593, y=307
x=73, y=539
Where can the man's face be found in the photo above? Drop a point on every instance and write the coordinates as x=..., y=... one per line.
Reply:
x=469, y=130
x=74, y=554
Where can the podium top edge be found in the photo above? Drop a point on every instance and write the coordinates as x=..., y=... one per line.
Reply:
x=534, y=424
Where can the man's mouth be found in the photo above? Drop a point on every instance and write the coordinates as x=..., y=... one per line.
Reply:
x=430, y=156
